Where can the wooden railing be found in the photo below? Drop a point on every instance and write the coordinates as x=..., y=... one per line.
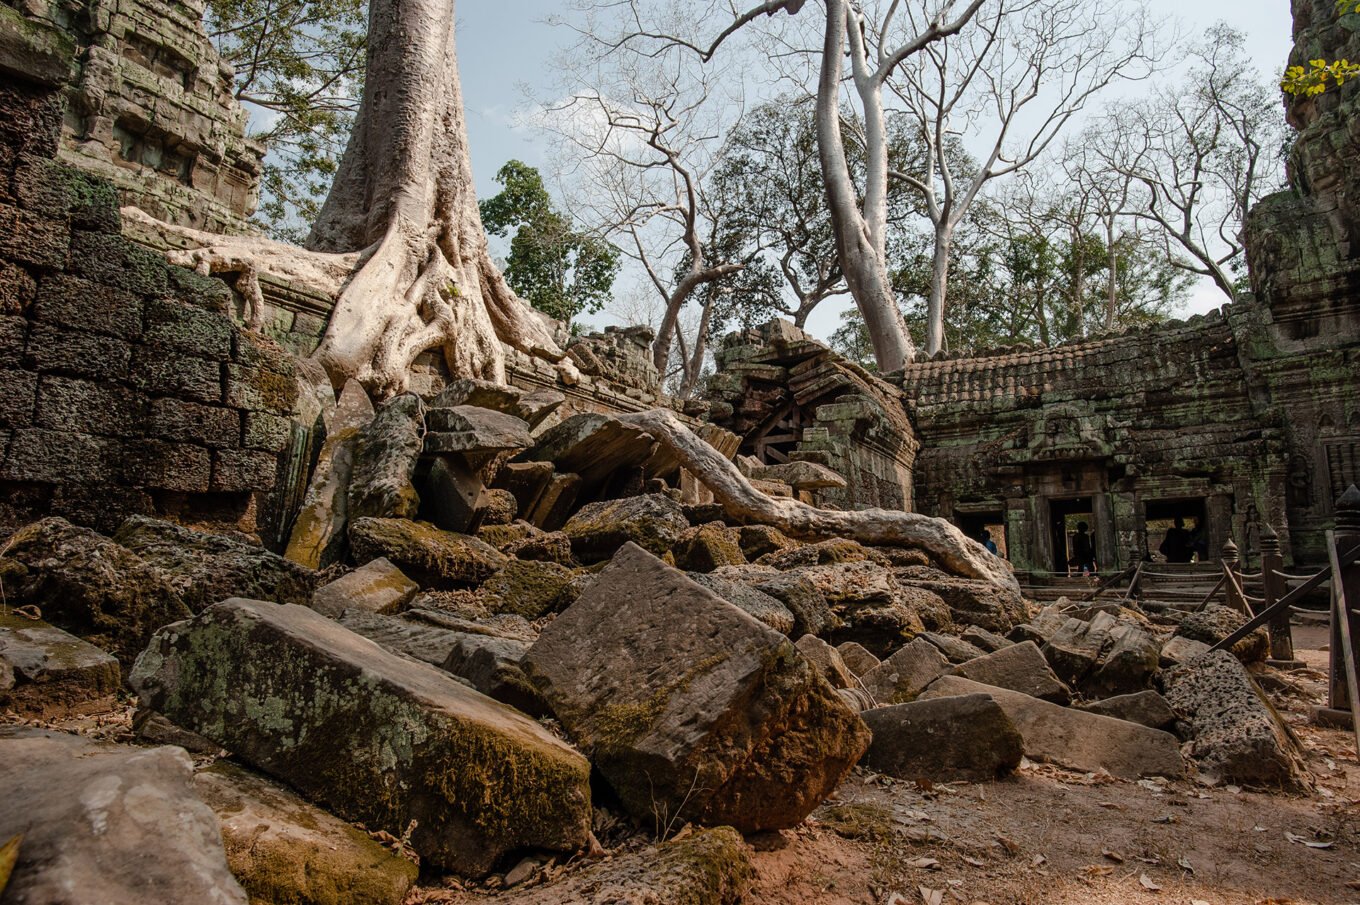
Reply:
x=1273, y=608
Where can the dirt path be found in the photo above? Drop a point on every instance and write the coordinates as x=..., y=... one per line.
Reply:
x=1052, y=837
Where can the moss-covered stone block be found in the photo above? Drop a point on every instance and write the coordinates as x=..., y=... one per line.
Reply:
x=529, y=589
x=89, y=586
x=432, y=557
x=703, y=713
x=376, y=737
x=284, y=851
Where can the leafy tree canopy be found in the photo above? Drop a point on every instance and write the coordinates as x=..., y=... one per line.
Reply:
x=300, y=66
x=557, y=269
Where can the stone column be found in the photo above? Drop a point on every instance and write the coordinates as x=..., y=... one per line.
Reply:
x=1108, y=553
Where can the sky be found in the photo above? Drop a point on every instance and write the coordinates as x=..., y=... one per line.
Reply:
x=506, y=51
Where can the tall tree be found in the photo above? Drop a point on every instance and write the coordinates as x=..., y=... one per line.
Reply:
x=1012, y=81
x=855, y=55
x=555, y=267
x=299, y=66
x=399, y=242
x=1200, y=151
x=645, y=142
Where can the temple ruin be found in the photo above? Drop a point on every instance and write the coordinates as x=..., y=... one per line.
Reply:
x=528, y=642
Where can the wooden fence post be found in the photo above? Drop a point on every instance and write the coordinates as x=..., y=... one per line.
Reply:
x=1347, y=586
x=1273, y=580
x=1232, y=571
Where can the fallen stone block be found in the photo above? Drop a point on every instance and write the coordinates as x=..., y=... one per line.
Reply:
x=108, y=824
x=385, y=454
x=433, y=558
x=1041, y=627
x=86, y=584
x=207, y=568
x=418, y=640
x=752, y=600
x=1020, y=667
x=1074, y=739
x=542, y=546
x=970, y=601
x=758, y=540
x=52, y=673
x=693, y=709
x=282, y=849
x=987, y=641
x=1179, y=650
x=811, y=613
x=529, y=588
x=1235, y=734
x=827, y=661
x=493, y=667
x=1145, y=707
x=594, y=446
x=653, y=521
x=857, y=657
x=531, y=407
x=967, y=738
x=375, y=737
x=1214, y=623
x=318, y=536
x=497, y=507
x=706, y=867
x=955, y=649
x=376, y=586
x=905, y=674
x=708, y=547
x=824, y=553
x=525, y=481
x=474, y=432
x=1128, y=663
x=1075, y=649
x=554, y=504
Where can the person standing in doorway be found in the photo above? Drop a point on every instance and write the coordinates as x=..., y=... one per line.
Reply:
x=1083, y=550
x=987, y=542
x=1178, y=545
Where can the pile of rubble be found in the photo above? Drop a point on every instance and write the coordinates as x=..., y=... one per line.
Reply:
x=495, y=639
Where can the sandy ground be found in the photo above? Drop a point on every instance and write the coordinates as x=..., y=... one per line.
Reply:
x=1050, y=837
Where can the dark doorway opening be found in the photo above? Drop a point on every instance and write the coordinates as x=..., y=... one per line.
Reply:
x=1065, y=519
x=1161, y=516
x=992, y=521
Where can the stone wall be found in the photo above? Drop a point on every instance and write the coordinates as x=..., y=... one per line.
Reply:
x=149, y=107
x=790, y=398
x=125, y=386
x=1163, y=414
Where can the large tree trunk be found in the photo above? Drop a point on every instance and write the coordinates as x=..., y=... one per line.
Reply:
x=859, y=235
x=399, y=242
x=404, y=189
x=939, y=289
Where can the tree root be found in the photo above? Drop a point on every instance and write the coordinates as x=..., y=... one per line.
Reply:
x=880, y=527
x=463, y=307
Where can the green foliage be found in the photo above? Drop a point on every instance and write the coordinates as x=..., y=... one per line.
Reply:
x=299, y=69
x=552, y=266
x=1313, y=80
x=851, y=339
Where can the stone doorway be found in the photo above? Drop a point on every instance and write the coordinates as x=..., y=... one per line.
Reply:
x=993, y=521
x=1064, y=518
x=1161, y=517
